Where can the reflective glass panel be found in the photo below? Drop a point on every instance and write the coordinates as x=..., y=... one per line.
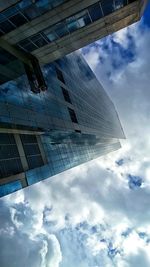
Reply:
x=27, y=45
x=10, y=11
x=61, y=30
x=39, y=40
x=10, y=188
x=9, y=166
x=95, y=12
x=51, y=35
x=6, y=26
x=18, y=20
x=31, y=12
x=72, y=24
x=120, y=3
x=107, y=7
x=83, y=18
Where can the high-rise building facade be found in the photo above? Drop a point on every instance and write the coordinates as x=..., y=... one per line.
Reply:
x=54, y=114
x=70, y=123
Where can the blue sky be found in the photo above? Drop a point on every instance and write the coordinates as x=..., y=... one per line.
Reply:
x=97, y=214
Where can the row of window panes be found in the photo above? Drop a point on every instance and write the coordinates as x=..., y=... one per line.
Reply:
x=34, y=42
x=75, y=22
x=23, y=12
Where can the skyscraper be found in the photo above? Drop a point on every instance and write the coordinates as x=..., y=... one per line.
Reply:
x=72, y=122
x=54, y=114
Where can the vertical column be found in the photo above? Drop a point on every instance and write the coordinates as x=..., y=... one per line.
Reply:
x=21, y=152
x=23, y=180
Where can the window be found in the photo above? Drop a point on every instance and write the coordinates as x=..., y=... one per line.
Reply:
x=60, y=75
x=72, y=24
x=72, y=115
x=27, y=45
x=69, y=25
x=10, y=162
x=34, y=42
x=39, y=40
x=31, y=12
x=32, y=151
x=66, y=95
x=9, y=188
x=11, y=11
x=18, y=19
x=119, y=3
x=61, y=29
x=95, y=12
x=83, y=18
x=34, y=161
x=6, y=26
x=25, y=11
x=51, y=35
x=107, y=6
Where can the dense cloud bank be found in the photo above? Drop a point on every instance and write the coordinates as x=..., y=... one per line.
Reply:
x=96, y=214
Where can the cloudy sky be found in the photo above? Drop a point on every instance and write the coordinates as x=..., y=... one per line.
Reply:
x=97, y=214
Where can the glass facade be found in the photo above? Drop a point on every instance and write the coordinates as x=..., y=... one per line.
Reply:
x=68, y=154
x=75, y=117
x=70, y=24
x=9, y=188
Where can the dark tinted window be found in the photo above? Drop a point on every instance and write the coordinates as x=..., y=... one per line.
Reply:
x=39, y=40
x=119, y=3
x=107, y=7
x=83, y=18
x=72, y=115
x=72, y=24
x=95, y=12
x=60, y=75
x=18, y=20
x=6, y=26
x=28, y=139
x=61, y=29
x=27, y=45
x=34, y=161
x=32, y=151
x=66, y=95
x=31, y=12
x=10, y=162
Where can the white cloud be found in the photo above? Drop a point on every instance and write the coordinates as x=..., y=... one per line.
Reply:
x=54, y=258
